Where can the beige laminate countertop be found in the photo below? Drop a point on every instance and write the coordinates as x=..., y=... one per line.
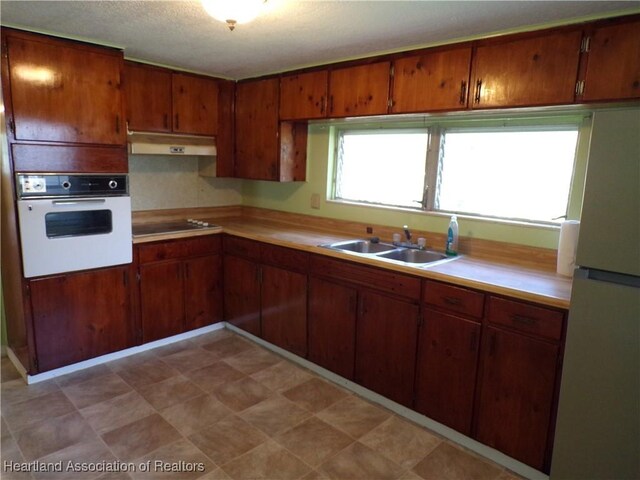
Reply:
x=539, y=286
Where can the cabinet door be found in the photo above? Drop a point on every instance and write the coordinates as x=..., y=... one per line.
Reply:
x=284, y=309
x=387, y=330
x=446, y=369
x=532, y=71
x=80, y=316
x=362, y=90
x=161, y=300
x=195, y=105
x=516, y=395
x=257, y=129
x=432, y=81
x=242, y=294
x=203, y=291
x=148, y=98
x=304, y=95
x=613, y=66
x=332, y=326
x=62, y=92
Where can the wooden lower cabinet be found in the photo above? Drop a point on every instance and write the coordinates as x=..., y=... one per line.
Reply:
x=387, y=329
x=332, y=326
x=161, y=300
x=242, y=294
x=180, y=286
x=517, y=395
x=78, y=316
x=284, y=309
x=446, y=369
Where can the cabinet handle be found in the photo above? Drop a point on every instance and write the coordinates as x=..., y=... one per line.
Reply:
x=454, y=301
x=524, y=319
x=463, y=92
x=125, y=278
x=166, y=120
x=492, y=344
x=323, y=105
x=478, y=89
x=177, y=122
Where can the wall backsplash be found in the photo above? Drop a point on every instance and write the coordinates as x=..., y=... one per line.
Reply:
x=162, y=181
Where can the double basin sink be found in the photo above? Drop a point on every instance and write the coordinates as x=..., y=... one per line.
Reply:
x=391, y=253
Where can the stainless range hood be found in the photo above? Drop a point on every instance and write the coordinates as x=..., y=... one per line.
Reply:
x=148, y=143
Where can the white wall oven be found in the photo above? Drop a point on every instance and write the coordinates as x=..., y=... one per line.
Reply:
x=71, y=222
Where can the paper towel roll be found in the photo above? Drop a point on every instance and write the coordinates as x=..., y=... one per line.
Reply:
x=567, y=247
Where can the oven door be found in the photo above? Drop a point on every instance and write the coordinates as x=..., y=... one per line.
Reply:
x=66, y=235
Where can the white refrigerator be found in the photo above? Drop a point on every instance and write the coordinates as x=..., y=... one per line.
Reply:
x=598, y=424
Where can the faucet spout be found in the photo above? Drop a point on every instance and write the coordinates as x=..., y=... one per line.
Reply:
x=407, y=233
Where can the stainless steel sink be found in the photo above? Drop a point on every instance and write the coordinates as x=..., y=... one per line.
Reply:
x=360, y=246
x=410, y=255
x=390, y=253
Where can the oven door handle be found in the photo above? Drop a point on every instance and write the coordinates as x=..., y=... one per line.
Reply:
x=78, y=202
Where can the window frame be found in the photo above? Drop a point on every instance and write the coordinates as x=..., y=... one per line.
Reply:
x=436, y=125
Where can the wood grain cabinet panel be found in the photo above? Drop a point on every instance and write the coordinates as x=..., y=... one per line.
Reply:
x=516, y=397
x=613, y=66
x=195, y=104
x=65, y=92
x=446, y=369
x=284, y=309
x=257, y=129
x=80, y=316
x=386, y=335
x=432, y=81
x=161, y=300
x=361, y=90
x=304, y=95
x=148, y=97
x=242, y=294
x=332, y=326
x=539, y=70
x=203, y=291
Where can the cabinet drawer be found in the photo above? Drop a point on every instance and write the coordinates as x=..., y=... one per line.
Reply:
x=371, y=277
x=289, y=258
x=179, y=249
x=455, y=299
x=241, y=247
x=526, y=318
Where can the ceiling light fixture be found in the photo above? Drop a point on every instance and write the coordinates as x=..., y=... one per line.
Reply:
x=233, y=12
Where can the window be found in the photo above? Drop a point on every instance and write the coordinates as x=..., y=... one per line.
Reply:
x=384, y=167
x=492, y=170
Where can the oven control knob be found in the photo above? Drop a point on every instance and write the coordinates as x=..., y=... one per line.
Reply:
x=66, y=185
x=113, y=184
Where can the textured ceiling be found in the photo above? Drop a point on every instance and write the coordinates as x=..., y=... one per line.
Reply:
x=290, y=34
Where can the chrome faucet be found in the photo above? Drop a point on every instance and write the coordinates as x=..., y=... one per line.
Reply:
x=407, y=233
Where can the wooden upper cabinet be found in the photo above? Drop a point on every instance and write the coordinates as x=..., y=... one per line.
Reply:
x=195, y=105
x=257, y=129
x=540, y=70
x=62, y=91
x=148, y=97
x=361, y=90
x=304, y=95
x=431, y=81
x=613, y=65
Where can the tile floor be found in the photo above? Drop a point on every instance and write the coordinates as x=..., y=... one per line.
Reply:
x=221, y=401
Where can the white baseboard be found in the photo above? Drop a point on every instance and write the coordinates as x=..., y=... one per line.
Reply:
x=448, y=433
x=30, y=379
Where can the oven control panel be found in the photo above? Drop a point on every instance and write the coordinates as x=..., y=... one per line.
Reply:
x=30, y=184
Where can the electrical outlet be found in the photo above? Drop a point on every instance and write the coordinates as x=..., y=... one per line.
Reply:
x=315, y=200
x=369, y=230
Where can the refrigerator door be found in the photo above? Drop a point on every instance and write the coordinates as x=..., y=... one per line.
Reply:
x=610, y=222
x=598, y=427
